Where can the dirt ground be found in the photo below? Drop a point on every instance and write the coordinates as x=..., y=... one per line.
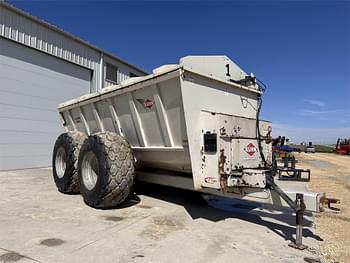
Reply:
x=331, y=173
x=158, y=224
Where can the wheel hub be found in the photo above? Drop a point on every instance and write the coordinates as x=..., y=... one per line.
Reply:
x=60, y=162
x=89, y=170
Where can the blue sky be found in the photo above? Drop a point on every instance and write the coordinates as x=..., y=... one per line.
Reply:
x=301, y=50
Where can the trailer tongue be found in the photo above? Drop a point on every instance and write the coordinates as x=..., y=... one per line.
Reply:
x=194, y=125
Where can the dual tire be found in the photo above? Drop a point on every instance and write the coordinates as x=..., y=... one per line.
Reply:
x=100, y=167
x=65, y=161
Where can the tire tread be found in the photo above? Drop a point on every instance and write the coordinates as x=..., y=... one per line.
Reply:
x=120, y=170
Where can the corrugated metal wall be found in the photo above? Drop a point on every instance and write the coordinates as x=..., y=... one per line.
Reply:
x=27, y=30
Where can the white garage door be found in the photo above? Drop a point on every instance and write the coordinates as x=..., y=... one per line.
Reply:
x=32, y=84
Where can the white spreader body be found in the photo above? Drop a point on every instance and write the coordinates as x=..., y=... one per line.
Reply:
x=192, y=125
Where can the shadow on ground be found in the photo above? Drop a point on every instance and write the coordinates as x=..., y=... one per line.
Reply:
x=197, y=207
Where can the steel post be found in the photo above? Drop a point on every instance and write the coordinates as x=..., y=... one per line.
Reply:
x=299, y=223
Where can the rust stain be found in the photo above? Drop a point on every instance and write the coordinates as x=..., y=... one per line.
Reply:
x=223, y=182
x=268, y=137
x=222, y=131
x=222, y=159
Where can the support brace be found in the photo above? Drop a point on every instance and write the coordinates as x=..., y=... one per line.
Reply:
x=299, y=207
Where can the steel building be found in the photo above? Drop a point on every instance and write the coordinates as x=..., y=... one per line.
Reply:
x=41, y=66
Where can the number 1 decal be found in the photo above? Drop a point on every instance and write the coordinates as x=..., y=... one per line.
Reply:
x=228, y=70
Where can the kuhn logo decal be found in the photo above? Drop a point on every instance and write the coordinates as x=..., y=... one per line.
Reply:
x=147, y=103
x=210, y=180
x=250, y=149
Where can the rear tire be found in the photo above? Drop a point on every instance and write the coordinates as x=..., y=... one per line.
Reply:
x=65, y=161
x=105, y=170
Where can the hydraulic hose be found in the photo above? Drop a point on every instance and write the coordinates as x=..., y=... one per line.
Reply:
x=258, y=135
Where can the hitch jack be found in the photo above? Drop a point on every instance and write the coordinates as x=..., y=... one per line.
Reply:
x=299, y=207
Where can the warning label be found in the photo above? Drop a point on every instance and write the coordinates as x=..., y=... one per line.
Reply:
x=250, y=149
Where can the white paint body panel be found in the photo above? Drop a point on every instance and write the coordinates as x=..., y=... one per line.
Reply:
x=160, y=114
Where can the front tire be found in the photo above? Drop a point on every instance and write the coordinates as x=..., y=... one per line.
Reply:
x=65, y=161
x=105, y=170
